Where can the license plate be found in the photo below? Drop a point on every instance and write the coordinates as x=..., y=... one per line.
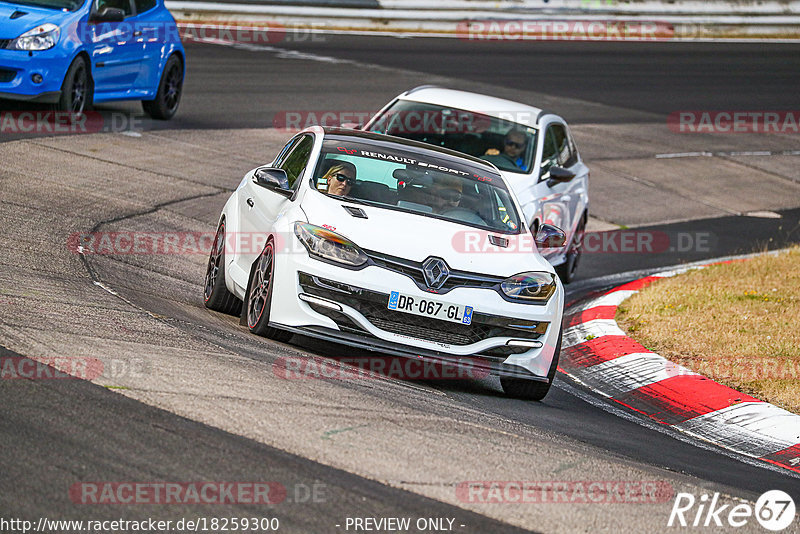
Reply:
x=430, y=308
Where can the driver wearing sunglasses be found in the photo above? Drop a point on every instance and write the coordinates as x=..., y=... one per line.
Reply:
x=513, y=148
x=339, y=179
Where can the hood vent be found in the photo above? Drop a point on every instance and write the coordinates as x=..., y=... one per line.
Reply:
x=356, y=212
x=18, y=14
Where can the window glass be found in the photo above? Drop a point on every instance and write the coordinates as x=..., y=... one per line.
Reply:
x=295, y=163
x=286, y=150
x=507, y=144
x=557, y=148
x=144, y=5
x=421, y=182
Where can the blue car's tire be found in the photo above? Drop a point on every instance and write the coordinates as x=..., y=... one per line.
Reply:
x=76, y=90
x=170, y=88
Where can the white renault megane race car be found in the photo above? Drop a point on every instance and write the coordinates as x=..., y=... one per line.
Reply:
x=394, y=246
x=534, y=150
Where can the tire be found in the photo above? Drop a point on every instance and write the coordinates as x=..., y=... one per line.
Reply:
x=170, y=88
x=523, y=388
x=76, y=89
x=258, y=300
x=566, y=271
x=215, y=295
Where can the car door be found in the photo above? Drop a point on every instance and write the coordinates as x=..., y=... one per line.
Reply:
x=562, y=201
x=152, y=30
x=116, y=51
x=260, y=207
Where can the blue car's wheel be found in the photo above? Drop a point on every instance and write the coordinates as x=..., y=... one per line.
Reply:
x=76, y=90
x=168, y=96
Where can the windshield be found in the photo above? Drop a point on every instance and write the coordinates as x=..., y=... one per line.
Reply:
x=69, y=5
x=416, y=181
x=508, y=145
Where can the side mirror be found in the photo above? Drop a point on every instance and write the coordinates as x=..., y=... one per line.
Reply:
x=273, y=179
x=108, y=14
x=560, y=174
x=550, y=236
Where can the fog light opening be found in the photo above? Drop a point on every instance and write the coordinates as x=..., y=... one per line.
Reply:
x=37, y=78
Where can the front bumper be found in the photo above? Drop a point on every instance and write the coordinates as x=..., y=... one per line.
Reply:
x=17, y=68
x=350, y=307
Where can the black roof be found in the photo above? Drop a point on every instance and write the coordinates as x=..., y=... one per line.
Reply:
x=374, y=136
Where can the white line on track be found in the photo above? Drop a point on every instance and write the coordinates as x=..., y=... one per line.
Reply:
x=672, y=432
x=729, y=154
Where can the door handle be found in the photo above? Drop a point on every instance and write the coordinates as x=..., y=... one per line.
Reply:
x=250, y=202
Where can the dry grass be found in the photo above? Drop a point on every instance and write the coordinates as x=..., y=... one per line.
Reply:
x=737, y=323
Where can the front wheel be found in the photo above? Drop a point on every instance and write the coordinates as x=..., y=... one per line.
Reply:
x=259, y=296
x=168, y=96
x=76, y=90
x=523, y=388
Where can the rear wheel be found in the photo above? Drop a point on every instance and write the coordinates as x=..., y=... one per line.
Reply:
x=216, y=295
x=566, y=271
x=168, y=96
x=523, y=388
x=259, y=296
x=76, y=90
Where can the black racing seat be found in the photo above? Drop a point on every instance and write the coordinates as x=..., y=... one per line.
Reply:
x=374, y=191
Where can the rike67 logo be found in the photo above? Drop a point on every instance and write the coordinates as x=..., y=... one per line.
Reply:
x=774, y=510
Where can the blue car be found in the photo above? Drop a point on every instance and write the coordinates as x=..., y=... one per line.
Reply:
x=74, y=53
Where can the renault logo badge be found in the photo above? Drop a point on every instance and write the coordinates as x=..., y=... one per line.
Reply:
x=436, y=272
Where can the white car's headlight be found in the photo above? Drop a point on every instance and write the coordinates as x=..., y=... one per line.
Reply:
x=42, y=37
x=328, y=245
x=532, y=287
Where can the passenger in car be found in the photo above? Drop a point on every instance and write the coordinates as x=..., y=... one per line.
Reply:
x=338, y=179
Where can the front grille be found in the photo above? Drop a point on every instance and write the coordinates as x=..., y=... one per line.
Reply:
x=413, y=270
x=6, y=75
x=373, y=306
x=4, y=43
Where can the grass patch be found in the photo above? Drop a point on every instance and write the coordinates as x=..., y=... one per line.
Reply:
x=737, y=323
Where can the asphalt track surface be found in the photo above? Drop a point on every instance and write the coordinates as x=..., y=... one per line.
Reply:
x=55, y=433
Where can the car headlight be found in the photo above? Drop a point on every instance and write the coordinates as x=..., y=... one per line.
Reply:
x=41, y=37
x=328, y=245
x=534, y=287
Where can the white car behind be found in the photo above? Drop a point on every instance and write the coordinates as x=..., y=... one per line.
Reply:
x=550, y=180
